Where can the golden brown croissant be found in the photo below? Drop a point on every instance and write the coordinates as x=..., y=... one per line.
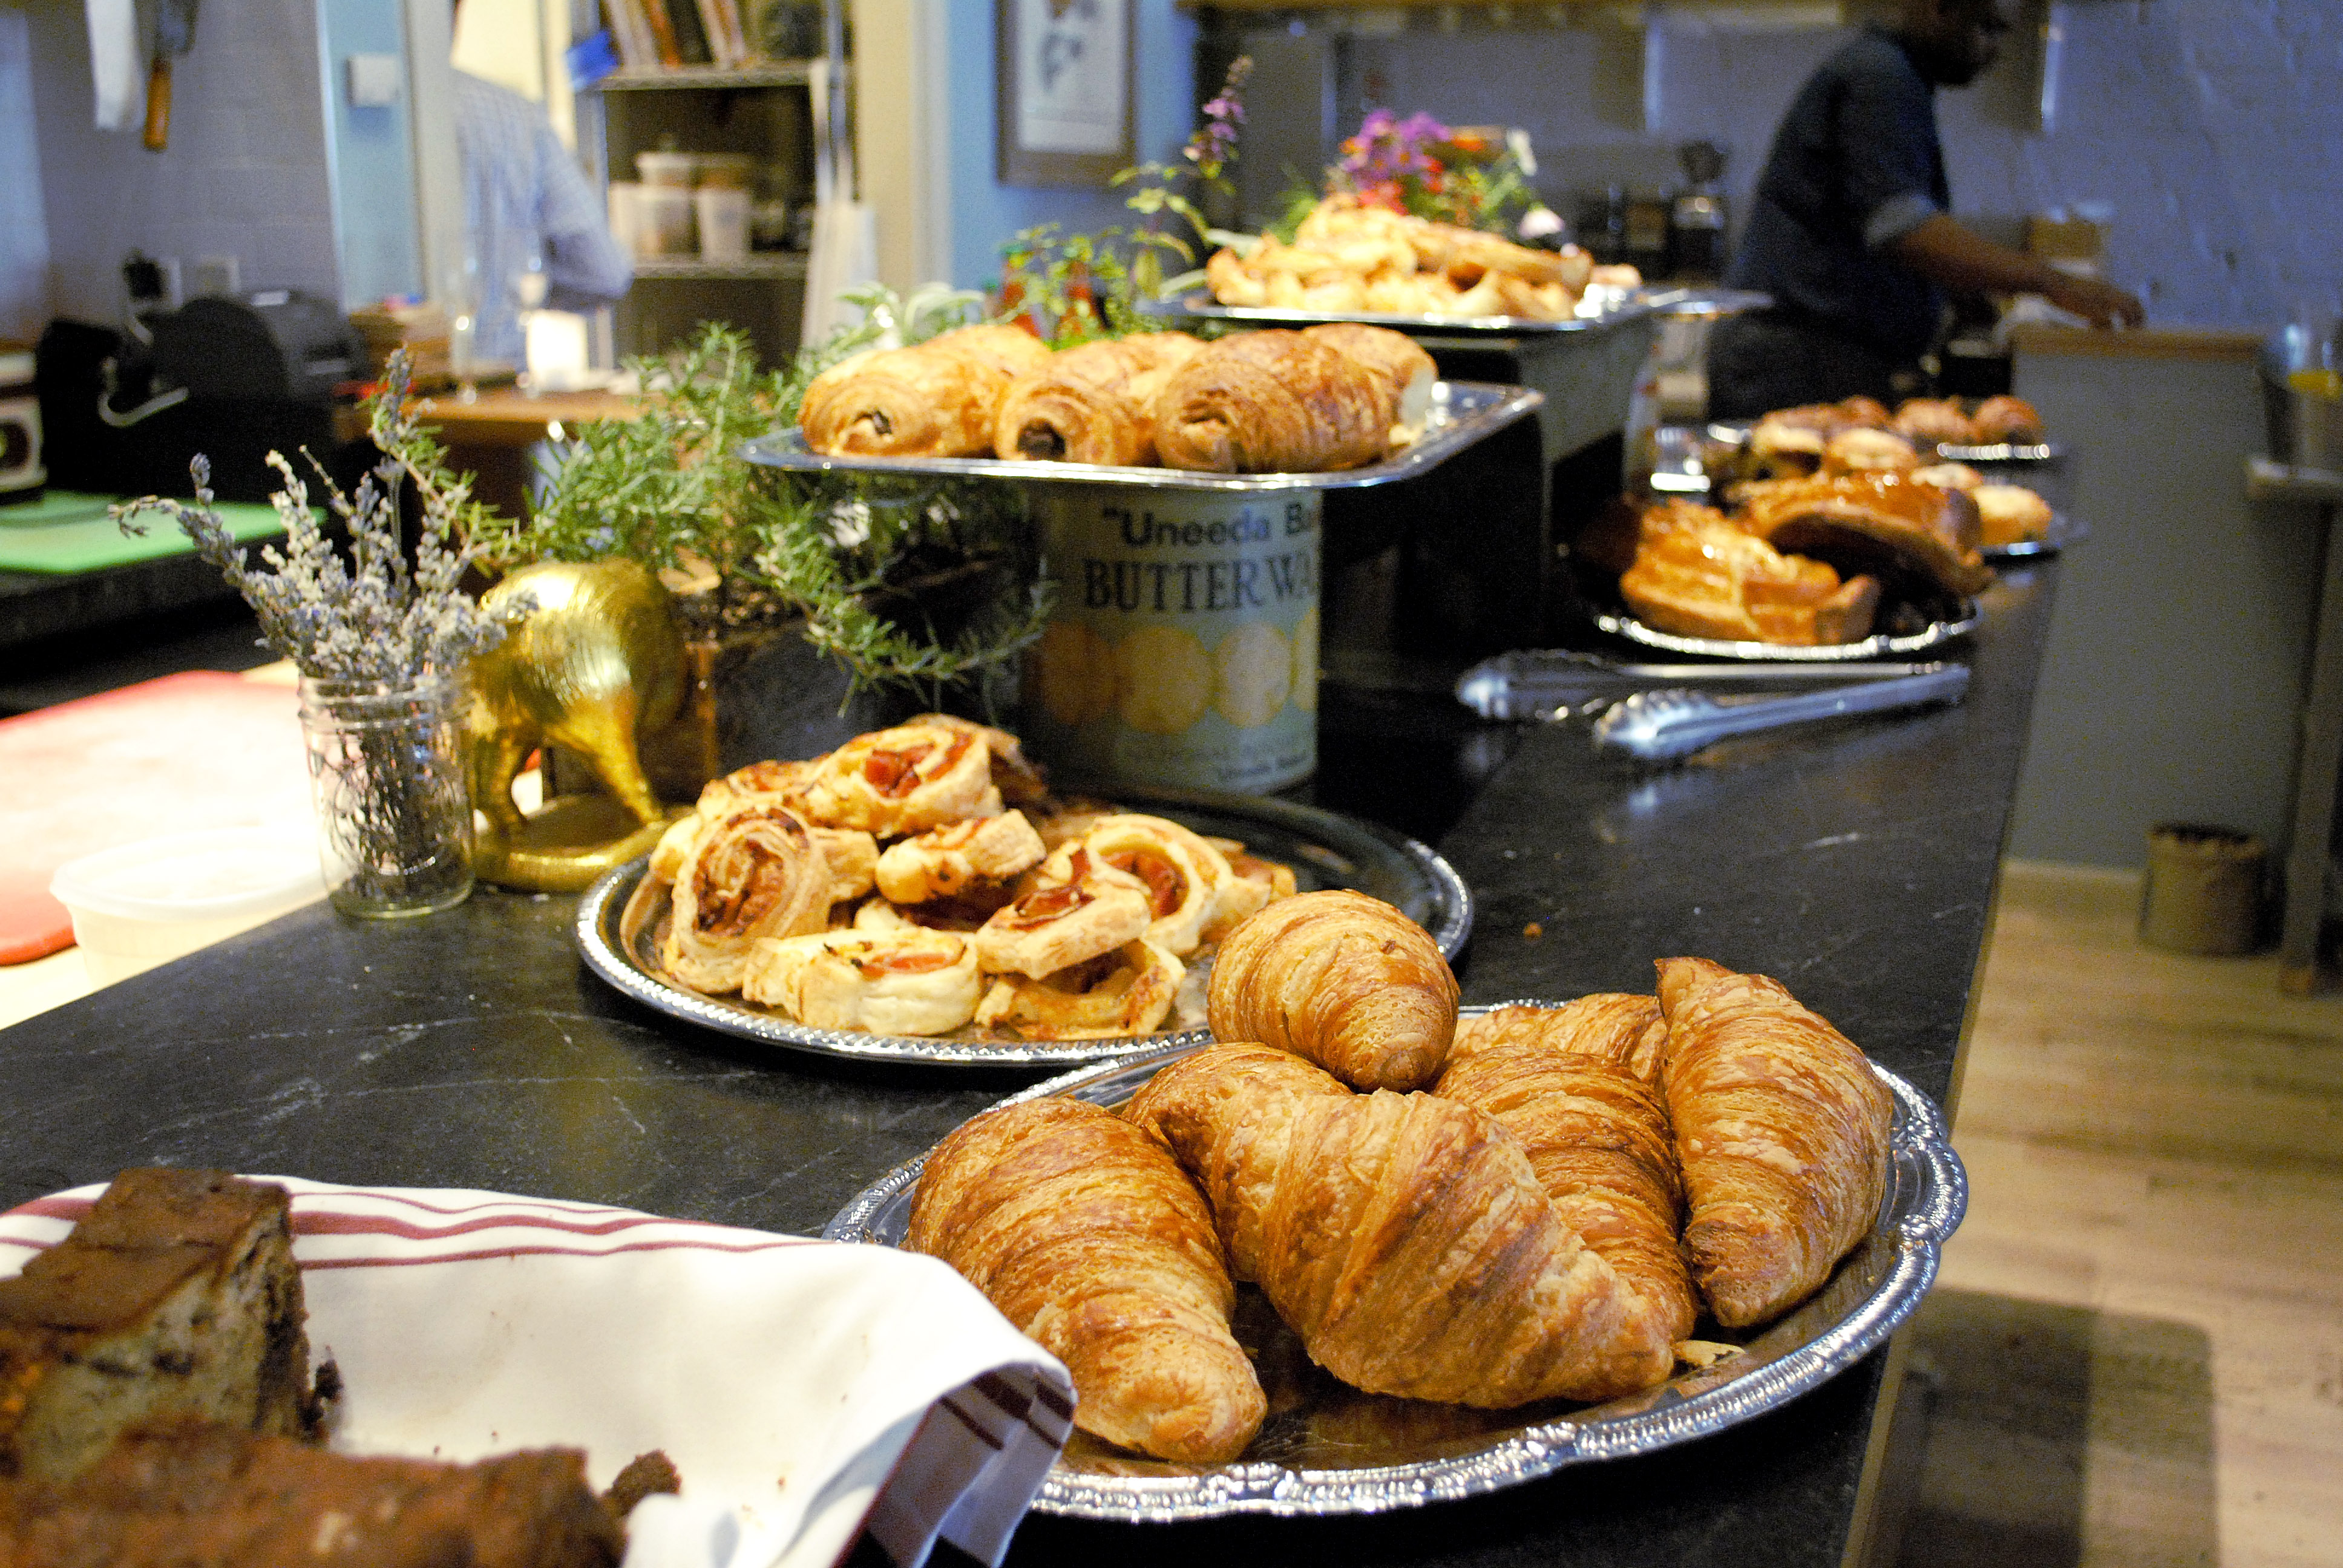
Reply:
x=1094, y=404
x=1564, y=1082
x=2007, y=419
x=1398, y=360
x=1086, y=1235
x=1879, y=523
x=933, y=399
x=1782, y=1127
x=1341, y=980
x=1696, y=575
x=753, y=872
x=1402, y=1237
x=1271, y=402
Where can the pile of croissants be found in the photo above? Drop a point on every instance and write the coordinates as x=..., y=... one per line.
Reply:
x=1349, y=257
x=1531, y=1203
x=1339, y=395
x=922, y=879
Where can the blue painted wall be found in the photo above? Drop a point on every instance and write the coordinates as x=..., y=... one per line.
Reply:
x=984, y=212
x=372, y=158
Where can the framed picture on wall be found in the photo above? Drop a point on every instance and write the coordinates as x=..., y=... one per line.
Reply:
x=1065, y=91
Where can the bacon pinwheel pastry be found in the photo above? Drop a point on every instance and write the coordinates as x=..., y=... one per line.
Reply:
x=1019, y=780
x=759, y=783
x=755, y=872
x=1078, y=909
x=1185, y=876
x=902, y=780
x=933, y=399
x=667, y=855
x=852, y=856
x=1094, y=404
x=1124, y=993
x=1563, y=1080
x=911, y=981
x=945, y=862
x=1271, y=402
x=1341, y=980
x=1252, y=886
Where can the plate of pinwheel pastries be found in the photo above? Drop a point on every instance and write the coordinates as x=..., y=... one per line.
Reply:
x=1372, y=1251
x=921, y=895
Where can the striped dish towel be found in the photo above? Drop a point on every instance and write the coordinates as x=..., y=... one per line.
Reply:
x=805, y=1390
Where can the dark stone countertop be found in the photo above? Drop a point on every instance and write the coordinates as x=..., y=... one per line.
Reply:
x=1854, y=861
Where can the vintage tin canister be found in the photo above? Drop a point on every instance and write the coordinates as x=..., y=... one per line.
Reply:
x=1182, y=644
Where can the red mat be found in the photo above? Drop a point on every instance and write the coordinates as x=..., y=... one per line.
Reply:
x=196, y=750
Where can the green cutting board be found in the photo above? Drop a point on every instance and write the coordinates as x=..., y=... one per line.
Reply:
x=68, y=531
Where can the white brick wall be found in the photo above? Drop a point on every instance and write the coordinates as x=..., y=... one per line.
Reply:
x=245, y=174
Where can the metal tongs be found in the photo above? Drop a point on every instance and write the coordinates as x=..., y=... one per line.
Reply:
x=1667, y=725
x=1559, y=683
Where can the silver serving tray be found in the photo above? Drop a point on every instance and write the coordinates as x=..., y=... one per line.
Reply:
x=1462, y=412
x=2003, y=452
x=1878, y=646
x=1325, y=850
x=1613, y=308
x=1330, y=1450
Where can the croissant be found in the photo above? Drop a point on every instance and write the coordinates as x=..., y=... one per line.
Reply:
x=1877, y=524
x=1402, y=1237
x=2007, y=419
x=1696, y=575
x=755, y=872
x=1782, y=1127
x=933, y=399
x=1341, y=980
x=1271, y=402
x=1562, y=1082
x=1086, y=1235
x=1397, y=360
x=1094, y=404
x=1931, y=421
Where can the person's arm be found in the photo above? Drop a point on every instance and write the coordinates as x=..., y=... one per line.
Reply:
x=1958, y=257
x=583, y=265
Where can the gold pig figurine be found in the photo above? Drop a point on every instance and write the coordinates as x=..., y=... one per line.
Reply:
x=592, y=660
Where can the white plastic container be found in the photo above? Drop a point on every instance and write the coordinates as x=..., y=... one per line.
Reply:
x=663, y=222
x=674, y=170
x=139, y=905
x=723, y=223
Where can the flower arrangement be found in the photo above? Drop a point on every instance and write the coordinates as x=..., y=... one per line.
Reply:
x=1418, y=165
x=1073, y=287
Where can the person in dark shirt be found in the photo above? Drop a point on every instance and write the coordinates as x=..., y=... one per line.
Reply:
x=1850, y=231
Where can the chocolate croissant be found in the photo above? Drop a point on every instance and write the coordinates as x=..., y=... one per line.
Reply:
x=753, y=872
x=1085, y=1234
x=1782, y=1128
x=1271, y=402
x=932, y=399
x=1341, y=980
x=1402, y=1237
x=1094, y=404
x=1563, y=1080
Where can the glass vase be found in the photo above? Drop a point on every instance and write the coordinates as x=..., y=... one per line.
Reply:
x=387, y=775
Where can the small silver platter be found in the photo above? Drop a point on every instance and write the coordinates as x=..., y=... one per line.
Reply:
x=1328, y=1449
x=1610, y=307
x=2003, y=452
x=1324, y=849
x=1462, y=412
x=1881, y=645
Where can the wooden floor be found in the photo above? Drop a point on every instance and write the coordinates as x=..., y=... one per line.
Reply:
x=2138, y=1336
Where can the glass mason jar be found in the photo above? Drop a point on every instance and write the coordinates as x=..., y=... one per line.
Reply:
x=388, y=773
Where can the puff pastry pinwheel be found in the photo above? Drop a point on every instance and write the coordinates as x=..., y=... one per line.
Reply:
x=1273, y=402
x=1094, y=404
x=1078, y=909
x=852, y=856
x=910, y=981
x=1019, y=781
x=667, y=855
x=772, y=783
x=933, y=399
x=754, y=872
x=1118, y=994
x=1086, y=1236
x=1254, y=884
x=1562, y=1082
x=1341, y=980
x=902, y=780
x=1403, y=1237
x=944, y=863
x=1186, y=878
x=1782, y=1128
